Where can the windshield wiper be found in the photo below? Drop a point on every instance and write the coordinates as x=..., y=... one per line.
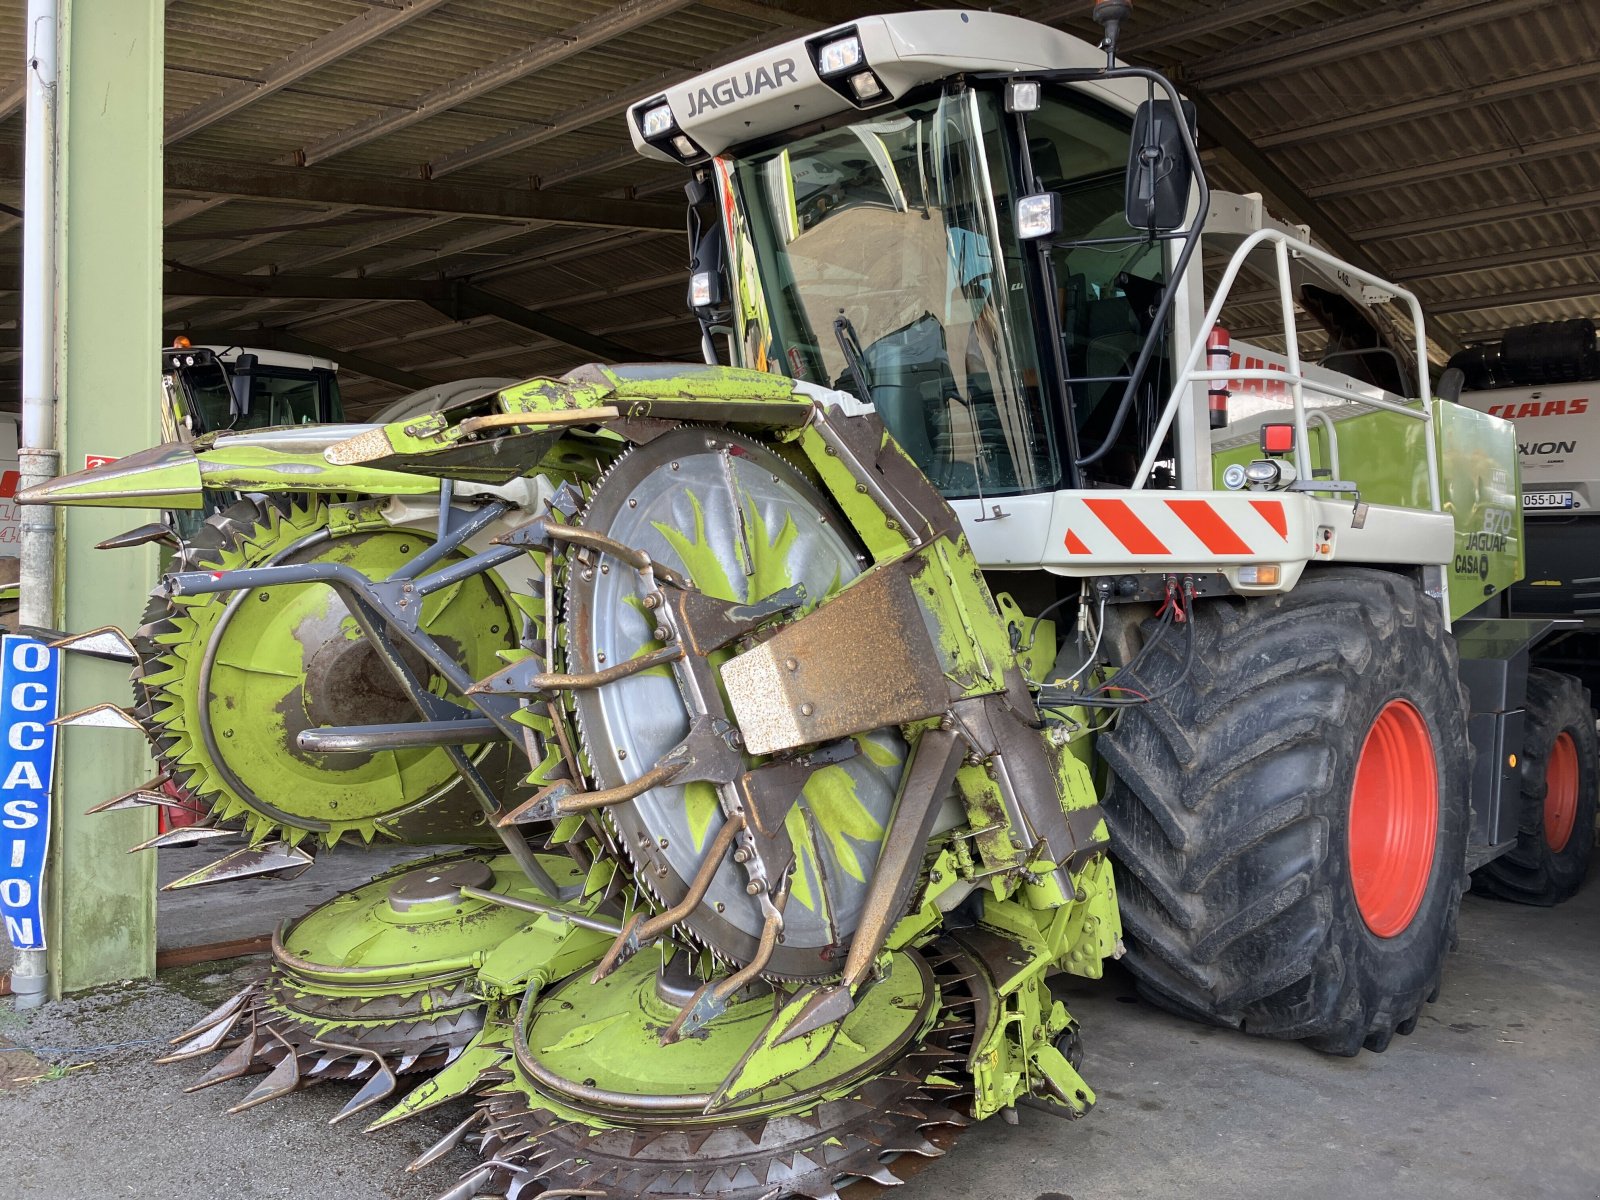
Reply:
x=854, y=360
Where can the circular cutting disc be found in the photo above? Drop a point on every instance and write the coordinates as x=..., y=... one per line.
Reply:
x=385, y=973
x=228, y=680
x=740, y=524
x=596, y=1104
x=597, y=1046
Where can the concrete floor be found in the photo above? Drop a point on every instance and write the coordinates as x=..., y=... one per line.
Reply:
x=1491, y=1097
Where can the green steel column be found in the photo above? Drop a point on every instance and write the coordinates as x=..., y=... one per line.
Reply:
x=102, y=911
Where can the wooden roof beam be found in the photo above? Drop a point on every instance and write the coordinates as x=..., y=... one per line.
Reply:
x=601, y=109
x=259, y=181
x=1393, y=114
x=216, y=178
x=1450, y=168
x=613, y=23
x=1333, y=41
x=324, y=51
x=1569, y=291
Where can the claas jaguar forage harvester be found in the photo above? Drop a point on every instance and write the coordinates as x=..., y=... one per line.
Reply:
x=979, y=610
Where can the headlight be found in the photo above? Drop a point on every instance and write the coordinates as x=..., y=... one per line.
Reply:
x=841, y=55
x=658, y=120
x=1037, y=215
x=1022, y=95
x=700, y=289
x=866, y=86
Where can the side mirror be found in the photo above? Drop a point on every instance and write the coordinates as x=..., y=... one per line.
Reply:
x=708, y=275
x=244, y=366
x=1156, y=190
x=1451, y=384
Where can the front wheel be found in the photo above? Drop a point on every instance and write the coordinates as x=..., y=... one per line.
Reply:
x=1289, y=823
x=1555, y=839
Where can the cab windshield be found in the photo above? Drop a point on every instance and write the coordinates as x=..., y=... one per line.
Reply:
x=278, y=396
x=881, y=257
x=887, y=266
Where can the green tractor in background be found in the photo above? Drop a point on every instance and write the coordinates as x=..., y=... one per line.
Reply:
x=849, y=669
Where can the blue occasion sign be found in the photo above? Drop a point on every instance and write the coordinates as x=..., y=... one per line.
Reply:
x=30, y=678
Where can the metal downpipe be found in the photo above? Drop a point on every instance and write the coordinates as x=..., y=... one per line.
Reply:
x=38, y=456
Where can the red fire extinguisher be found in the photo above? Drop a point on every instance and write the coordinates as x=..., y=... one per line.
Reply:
x=1219, y=356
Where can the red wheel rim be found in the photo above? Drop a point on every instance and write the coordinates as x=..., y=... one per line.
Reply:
x=1394, y=817
x=1561, y=792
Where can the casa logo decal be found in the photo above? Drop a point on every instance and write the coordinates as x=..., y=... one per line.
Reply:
x=742, y=86
x=1542, y=408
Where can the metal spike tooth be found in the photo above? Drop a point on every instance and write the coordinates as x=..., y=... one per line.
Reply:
x=188, y=835
x=698, y=1138
x=380, y=1086
x=105, y=642
x=360, y=1069
x=100, y=716
x=327, y=1060
x=203, y=1043
x=267, y=858
x=146, y=794
x=951, y=1117
x=467, y=1188
x=445, y=1144
x=558, y=1161
x=281, y=1081
x=238, y=1062
x=227, y=1008
x=870, y=1135
x=879, y=1173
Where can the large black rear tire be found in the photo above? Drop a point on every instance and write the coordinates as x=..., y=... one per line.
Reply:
x=1230, y=810
x=1555, y=841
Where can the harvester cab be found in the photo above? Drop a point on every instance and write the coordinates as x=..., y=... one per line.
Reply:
x=1005, y=246
x=210, y=388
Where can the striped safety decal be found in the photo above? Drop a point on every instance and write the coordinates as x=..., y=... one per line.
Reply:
x=1180, y=528
x=1207, y=525
x=1135, y=536
x=1272, y=510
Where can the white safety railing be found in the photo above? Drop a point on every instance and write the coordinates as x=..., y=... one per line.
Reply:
x=1190, y=374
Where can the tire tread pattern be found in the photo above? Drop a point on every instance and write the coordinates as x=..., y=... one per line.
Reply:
x=1229, y=794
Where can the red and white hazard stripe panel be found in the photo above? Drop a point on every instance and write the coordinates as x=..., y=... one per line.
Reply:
x=1179, y=527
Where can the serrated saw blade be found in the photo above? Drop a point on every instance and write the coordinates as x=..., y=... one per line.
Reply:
x=740, y=524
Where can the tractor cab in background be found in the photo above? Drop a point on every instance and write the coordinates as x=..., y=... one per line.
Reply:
x=212, y=388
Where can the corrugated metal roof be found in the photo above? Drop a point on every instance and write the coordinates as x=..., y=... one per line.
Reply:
x=1455, y=143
